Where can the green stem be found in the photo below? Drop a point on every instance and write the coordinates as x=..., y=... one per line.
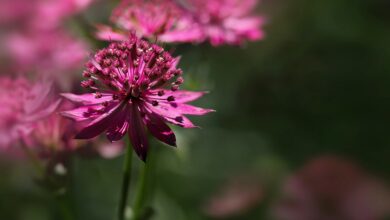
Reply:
x=64, y=207
x=34, y=160
x=126, y=182
x=142, y=192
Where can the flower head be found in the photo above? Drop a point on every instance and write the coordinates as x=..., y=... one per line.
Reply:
x=41, y=14
x=161, y=19
x=331, y=187
x=179, y=21
x=53, y=135
x=135, y=87
x=49, y=52
x=226, y=21
x=23, y=105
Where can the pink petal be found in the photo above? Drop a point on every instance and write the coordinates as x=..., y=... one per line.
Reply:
x=181, y=96
x=78, y=114
x=106, y=33
x=193, y=35
x=244, y=24
x=159, y=129
x=100, y=124
x=181, y=121
x=110, y=150
x=119, y=126
x=88, y=98
x=182, y=109
x=45, y=112
x=170, y=116
x=137, y=133
x=39, y=94
x=186, y=109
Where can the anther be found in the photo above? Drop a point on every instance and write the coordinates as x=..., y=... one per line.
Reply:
x=174, y=87
x=179, y=80
x=98, y=95
x=106, y=71
x=86, y=74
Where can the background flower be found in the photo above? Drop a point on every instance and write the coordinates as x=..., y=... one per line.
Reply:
x=332, y=188
x=226, y=21
x=24, y=105
x=161, y=20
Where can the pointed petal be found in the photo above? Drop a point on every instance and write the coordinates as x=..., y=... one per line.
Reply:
x=181, y=121
x=137, y=133
x=107, y=33
x=88, y=98
x=100, y=124
x=39, y=94
x=159, y=129
x=170, y=116
x=80, y=113
x=190, y=35
x=119, y=126
x=44, y=113
x=181, y=96
x=185, y=109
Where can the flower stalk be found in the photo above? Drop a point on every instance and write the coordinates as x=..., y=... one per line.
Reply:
x=34, y=160
x=126, y=181
x=141, y=192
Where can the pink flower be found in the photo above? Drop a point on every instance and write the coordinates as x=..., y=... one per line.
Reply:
x=41, y=14
x=23, y=105
x=226, y=21
x=332, y=188
x=156, y=19
x=236, y=197
x=178, y=21
x=134, y=74
x=53, y=134
x=52, y=52
x=13, y=11
x=54, y=12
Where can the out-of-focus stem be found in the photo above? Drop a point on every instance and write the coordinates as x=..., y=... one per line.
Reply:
x=126, y=181
x=64, y=207
x=34, y=160
x=142, y=187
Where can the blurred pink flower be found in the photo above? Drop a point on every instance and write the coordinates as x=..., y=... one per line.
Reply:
x=53, y=12
x=156, y=19
x=134, y=74
x=23, y=105
x=220, y=21
x=226, y=21
x=239, y=195
x=332, y=188
x=32, y=13
x=53, y=136
x=34, y=39
x=14, y=11
x=52, y=52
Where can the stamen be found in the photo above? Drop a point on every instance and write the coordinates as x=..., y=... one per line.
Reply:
x=98, y=95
